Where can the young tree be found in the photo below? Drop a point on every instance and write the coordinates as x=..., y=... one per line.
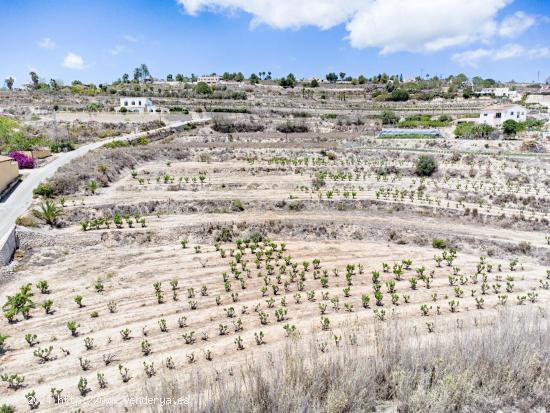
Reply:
x=49, y=212
x=399, y=95
x=426, y=165
x=289, y=81
x=203, y=89
x=389, y=117
x=511, y=128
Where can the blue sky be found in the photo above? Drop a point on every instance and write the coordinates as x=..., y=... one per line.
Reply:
x=97, y=41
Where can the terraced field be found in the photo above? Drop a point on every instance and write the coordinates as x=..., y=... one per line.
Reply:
x=190, y=270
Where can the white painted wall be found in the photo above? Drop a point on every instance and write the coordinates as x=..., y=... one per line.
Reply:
x=137, y=104
x=496, y=117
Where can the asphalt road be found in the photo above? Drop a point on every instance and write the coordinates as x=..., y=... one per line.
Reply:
x=21, y=197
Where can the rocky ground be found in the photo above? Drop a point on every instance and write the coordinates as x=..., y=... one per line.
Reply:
x=270, y=238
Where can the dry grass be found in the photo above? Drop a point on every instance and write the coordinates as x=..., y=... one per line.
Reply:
x=500, y=365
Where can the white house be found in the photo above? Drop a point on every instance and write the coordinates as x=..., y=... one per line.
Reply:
x=137, y=104
x=209, y=80
x=496, y=115
x=502, y=92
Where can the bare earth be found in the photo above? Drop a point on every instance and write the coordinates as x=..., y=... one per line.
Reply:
x=358, y=217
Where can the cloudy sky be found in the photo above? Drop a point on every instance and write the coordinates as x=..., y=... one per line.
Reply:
x=99, y=40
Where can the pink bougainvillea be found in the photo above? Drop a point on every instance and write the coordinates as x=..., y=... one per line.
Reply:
x=24, y=161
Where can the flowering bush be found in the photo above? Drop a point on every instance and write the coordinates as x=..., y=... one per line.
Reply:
x=24, y=161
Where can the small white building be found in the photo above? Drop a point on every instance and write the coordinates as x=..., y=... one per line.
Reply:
x=496, y=115
x=209, y=80
x=501, y=92
x=137, y=104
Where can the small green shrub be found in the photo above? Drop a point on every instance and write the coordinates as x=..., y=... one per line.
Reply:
x=426, y=165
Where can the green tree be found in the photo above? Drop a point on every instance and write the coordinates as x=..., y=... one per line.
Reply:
x=362, y=80
x=254, y=79
x=203, y=89
x=332, y=77
x=511, y=128
x=289, y=81
x=426, y=165
x=125, y=78
x=144, y=71
x=137, y=74
x=34, y=79
x=314, y=83
x=169, y=77
x=9, y=82
x=389, y=117
x=399, y=95
x=467, y=93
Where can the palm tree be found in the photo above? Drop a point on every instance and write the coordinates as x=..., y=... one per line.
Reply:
x=34, y=79
x=9, y=82
x=137, y=74
x=48, y=212
x=144, y=71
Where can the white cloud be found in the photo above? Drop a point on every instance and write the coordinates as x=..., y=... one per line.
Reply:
x=423, y=25
x=283, y=14
x=516, y=24
x=471, y=57
x=538, y=53
x=389, y=25
x=73, y=61
x=46, y=43
x=118, y=49
x=130, y=38
x=508, y=51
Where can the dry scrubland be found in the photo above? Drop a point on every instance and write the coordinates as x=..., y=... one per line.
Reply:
x=265, y=272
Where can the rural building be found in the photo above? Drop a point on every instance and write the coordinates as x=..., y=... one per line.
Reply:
x=209, y=80
x=540, y=98
x=496, y=115
x=501, y=92
x=139, y=104
x=9, y=171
